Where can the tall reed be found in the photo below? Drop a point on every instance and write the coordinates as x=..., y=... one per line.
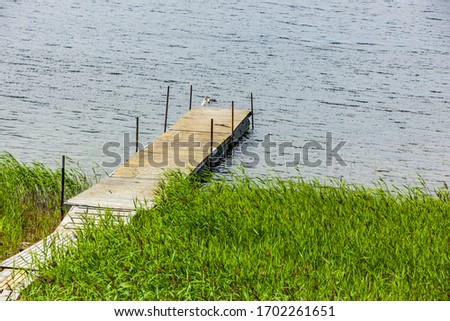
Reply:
x=264, y=240
x=29, y=200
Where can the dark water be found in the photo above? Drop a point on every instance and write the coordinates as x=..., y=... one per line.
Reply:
x=374, y=73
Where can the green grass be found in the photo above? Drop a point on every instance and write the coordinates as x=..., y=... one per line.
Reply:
x=270, y=240
x=29, y=201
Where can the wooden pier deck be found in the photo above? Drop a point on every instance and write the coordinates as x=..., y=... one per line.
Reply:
x=186, y=147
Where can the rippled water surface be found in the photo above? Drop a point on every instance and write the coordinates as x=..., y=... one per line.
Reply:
x=374, y=73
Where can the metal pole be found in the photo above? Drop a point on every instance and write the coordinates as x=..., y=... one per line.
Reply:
x=167, y=108
x=63, y=170
x=190, y=99
x=251, y=103
x=212, y=140
x=232, y=123
x=137, y=134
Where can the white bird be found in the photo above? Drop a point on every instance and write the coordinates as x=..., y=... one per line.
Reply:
x=207, y=101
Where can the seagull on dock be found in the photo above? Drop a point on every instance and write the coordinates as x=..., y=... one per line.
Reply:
x=207, y=101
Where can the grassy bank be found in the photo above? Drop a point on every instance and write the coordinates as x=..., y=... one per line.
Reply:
x=29, y=201
x=274, y=240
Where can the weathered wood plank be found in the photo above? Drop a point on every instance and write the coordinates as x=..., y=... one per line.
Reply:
x=41, y=251
x=175, y=140
x=4, y=275
x=93, y=211
x=14, y=278
x=12, y=282
x=117, y=192
x=74, y=221
x=199, y=120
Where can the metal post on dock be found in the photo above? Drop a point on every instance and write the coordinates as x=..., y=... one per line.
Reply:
x=63, y=173
x=251, y=107
x=137, y=134
x=232, y=124
x=167, y=108
x=212, y=141
x=190, y=99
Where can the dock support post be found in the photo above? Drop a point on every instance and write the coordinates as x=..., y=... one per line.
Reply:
x=190, y=99
x=212, y=142
x=251, y=106
x=232, y=124
x=167, y=108
x=63, y=173
x=137, y=134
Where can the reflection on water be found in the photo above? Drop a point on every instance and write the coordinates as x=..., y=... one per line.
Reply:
x=374, y=73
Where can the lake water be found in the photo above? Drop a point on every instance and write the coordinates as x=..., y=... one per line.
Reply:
x=375, y=74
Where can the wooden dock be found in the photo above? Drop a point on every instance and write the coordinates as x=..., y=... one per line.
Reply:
x=188, y=146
